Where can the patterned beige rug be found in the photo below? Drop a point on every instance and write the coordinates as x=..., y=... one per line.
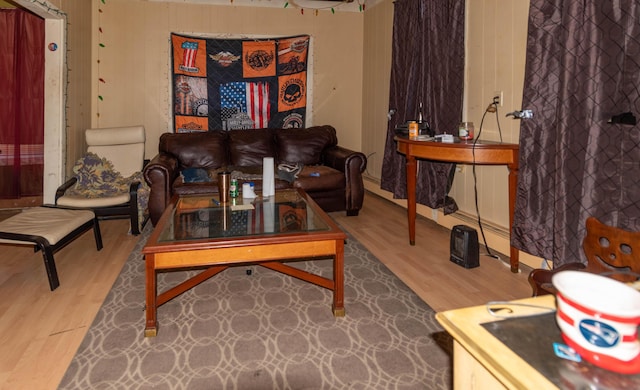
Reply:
x=265, y=331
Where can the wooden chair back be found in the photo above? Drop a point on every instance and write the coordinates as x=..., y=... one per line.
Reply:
x=612, y=251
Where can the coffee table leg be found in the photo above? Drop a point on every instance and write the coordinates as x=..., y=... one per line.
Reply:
x=151, y=329
x=338, y=280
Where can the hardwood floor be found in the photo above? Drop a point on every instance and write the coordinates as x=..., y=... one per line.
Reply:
x=40, y=330
x=425, y=267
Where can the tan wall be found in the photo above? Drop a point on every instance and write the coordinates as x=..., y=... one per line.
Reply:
x=495, y=56
x=78, y=74
x=135, y=60
x=378, y=32
x=495, y=61
x=78, y=110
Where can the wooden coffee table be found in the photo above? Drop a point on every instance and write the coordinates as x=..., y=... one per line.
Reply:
x=197, y=232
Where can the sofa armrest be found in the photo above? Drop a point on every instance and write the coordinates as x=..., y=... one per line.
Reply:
x=352, y=164
x=344, y=159
x=160, y=174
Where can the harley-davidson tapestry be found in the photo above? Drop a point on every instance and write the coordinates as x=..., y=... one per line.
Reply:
x=239, y=83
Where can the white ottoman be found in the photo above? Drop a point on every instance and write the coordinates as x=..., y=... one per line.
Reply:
x=49, y=229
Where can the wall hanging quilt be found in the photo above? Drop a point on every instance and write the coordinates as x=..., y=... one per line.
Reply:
x=239, y=83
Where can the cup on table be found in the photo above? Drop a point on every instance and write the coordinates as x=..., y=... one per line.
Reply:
x=224, y=182
x=599, y=317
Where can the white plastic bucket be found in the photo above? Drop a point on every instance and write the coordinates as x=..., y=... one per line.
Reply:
x=599, y=318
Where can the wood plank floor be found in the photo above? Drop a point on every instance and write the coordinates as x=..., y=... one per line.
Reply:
x=40, y=330
x=425, y=267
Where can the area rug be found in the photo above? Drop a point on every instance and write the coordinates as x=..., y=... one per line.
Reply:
x=253, y=328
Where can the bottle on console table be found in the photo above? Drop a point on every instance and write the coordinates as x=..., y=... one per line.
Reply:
x=465, y=130
x=423, y=125
x=413, y=129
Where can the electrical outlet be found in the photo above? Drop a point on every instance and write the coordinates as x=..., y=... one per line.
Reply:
x=499, y=95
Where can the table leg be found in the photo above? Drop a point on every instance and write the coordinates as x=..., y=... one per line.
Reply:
x=412, y=171
x=513, y=188
x=151, y=328
x=338, y=280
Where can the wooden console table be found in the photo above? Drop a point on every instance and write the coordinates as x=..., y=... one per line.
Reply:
x=486, y=153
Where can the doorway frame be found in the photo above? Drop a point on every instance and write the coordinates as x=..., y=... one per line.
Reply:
x=55, y=82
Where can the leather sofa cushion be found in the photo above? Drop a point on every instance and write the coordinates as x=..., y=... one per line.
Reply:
x=319, y=178
x=248, y=147
x=304, y=145
x=211, y=187
x=181, y=188
x=312, y=179
x=202, y=150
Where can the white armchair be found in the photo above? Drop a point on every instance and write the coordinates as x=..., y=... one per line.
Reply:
x=108, y=179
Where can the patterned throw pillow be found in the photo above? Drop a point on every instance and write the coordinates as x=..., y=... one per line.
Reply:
x=98, y=178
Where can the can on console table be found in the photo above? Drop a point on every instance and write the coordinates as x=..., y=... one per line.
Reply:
x=233, y=188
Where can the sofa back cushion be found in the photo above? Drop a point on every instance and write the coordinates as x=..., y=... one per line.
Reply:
x=202, y=150
x=304, y=145
x=248, y=147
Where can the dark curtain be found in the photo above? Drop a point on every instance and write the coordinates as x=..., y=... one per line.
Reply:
x=583, y=67
x=427, y=67
x=21, y=103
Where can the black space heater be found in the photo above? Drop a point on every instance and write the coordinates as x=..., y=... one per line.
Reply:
x=465, y=250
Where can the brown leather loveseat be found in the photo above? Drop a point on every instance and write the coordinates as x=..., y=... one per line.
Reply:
x=331, y=175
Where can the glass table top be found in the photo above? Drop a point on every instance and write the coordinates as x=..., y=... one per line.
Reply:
x=197, y=217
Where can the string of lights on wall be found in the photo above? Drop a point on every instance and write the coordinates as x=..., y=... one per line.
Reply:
x=322, y=6
x=50, y=9
x=101, y=45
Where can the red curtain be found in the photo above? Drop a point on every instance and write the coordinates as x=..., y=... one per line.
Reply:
x=21, y=103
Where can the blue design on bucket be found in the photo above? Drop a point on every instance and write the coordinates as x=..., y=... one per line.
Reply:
x=599, y=333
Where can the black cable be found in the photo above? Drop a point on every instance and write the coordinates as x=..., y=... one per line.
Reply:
x=491, y=108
